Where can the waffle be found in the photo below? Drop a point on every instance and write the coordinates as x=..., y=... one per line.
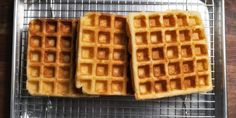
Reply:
x=169, y=54
x=50, y=58
x=102, y=54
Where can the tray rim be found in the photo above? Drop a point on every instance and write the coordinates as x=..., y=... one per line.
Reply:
x=16, y=34
x=225, y=97
x=13, y=67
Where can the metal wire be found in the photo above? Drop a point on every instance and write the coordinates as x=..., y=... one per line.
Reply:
x=196, y=105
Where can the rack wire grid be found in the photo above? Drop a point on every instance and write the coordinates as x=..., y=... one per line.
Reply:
x=26, y=106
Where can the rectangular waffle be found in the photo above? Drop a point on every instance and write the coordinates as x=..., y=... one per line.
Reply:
x=102, y=54
x=50, y=58
x=169, y=54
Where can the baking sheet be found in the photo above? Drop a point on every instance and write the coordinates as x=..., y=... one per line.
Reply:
x=194, y=105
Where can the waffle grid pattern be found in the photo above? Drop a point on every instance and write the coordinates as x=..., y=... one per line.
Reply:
x=50, y=63
x=102, y=60
x=169, y=54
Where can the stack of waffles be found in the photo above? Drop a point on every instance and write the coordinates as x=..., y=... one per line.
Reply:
x=102, y=61
x=50, y=60
x=169, y=55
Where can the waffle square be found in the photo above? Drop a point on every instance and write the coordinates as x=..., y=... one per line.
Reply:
x=50, y=58
x=169, y=54
x=102, y=54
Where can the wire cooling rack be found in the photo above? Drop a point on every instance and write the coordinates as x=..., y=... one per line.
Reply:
x=204, y=105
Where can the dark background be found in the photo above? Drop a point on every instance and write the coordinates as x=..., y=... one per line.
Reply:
x=6, y=20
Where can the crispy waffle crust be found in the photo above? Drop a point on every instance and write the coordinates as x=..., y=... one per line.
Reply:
x=50, y=58
x=102, y=54
x=169, y=54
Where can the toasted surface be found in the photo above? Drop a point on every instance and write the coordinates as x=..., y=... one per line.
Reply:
x=169, y=54
x=102, y=54
x=50, y=58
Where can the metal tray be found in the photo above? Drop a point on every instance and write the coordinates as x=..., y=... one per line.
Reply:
x=205, y=105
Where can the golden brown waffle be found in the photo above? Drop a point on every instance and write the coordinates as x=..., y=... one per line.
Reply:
x=169, y=54
x=50, y=60
x=102, y=54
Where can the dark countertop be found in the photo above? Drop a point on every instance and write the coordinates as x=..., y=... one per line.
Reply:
x=230, y=11
x=6, y=20
x=6, y=24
